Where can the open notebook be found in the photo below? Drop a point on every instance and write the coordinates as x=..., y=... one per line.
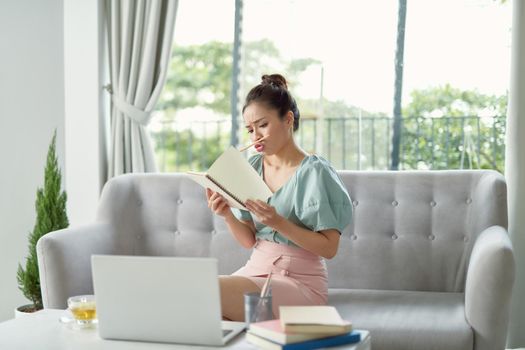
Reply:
x=234, y=178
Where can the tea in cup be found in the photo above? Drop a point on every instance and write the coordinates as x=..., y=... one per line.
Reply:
x=83, y=308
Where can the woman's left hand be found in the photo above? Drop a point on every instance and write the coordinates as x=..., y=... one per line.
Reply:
x=264, y=212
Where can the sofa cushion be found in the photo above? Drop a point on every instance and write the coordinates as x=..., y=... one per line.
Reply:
x=404, y=320
x=414, y=230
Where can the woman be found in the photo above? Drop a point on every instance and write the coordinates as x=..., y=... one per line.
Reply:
x=302, y=221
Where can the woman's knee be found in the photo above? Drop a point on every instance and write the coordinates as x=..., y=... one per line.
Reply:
x=236, y=285
x=232, y=290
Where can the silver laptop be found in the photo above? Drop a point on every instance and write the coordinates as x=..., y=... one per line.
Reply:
x=160, y=299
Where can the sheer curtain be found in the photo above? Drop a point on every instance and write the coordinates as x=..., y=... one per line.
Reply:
x=140, y=34
x=515, y=172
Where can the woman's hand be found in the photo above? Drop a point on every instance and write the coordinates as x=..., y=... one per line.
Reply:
x=265, y=213
x=218, y=204
x=323, y=243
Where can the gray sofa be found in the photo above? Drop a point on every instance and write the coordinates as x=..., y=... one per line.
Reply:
x=426, y=263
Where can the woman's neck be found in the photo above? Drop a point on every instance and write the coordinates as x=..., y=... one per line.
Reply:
x=290, y=155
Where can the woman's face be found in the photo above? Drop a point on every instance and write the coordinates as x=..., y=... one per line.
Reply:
x=261, y=121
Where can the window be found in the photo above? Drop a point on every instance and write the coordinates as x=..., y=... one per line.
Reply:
x=338, y=57
x=456, y=77
x=192, y=123
x=335, y=54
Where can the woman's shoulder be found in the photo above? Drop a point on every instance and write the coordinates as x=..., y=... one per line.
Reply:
x=320, y=182
x=316, y=164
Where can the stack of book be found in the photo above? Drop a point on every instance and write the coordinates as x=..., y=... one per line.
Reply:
x=303, y=327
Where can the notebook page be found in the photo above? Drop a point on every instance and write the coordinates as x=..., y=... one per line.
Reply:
x=202, y=180
x=234, y=173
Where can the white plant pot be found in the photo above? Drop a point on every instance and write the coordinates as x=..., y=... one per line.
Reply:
x=20, y=313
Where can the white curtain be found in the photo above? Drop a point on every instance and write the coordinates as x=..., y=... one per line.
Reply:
x=515, y=172
x=140, y=34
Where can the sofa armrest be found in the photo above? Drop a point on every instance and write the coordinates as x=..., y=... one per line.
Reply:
x=64, y=261
x=488, y=289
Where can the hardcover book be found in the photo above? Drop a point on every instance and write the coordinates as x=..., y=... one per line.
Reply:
x=348, y=338
x=234, y=178
x=313, y=319
x=272, y=330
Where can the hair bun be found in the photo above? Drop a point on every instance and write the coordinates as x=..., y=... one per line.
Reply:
x=276, y=80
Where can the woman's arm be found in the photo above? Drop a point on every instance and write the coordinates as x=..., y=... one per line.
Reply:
x=243, y=231
x=324, y=243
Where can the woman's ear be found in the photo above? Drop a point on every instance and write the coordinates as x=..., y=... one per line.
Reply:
x=289, y=118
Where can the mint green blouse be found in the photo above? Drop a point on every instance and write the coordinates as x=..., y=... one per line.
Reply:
x=314, y=198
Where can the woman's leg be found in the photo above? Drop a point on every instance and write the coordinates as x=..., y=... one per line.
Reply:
x=232, y=295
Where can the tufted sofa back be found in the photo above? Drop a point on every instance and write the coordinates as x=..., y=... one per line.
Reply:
x=410, y=230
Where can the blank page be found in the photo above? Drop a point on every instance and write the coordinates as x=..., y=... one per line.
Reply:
x=234, y=173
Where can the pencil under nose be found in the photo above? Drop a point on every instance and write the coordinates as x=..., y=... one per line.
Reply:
x=253, y=143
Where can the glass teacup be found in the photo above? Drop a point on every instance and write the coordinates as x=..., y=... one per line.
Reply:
x=83, y=308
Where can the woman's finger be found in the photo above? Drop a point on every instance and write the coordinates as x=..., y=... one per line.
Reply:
x=250, y=204
x=209, y=193
x=260, y=206
x=254, y=209
x=212, y=203
x=216, y=202
x=222, y=206
x=217, y=195
x=214, y=198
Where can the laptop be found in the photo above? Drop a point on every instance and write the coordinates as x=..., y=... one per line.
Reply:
x=160, y=299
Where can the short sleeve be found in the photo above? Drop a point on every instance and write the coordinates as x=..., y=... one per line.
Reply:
x=322, y=201
x=242, y=214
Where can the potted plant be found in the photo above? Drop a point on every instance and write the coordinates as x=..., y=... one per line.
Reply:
x=50, y=216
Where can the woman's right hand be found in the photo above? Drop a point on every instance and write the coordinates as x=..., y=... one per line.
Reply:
x=218, y=204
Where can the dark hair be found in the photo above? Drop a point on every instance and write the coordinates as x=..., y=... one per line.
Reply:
x=273, y=92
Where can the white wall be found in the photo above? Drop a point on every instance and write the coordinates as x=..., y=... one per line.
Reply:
x=50, y=77
x=83, y=111
x=31, y=107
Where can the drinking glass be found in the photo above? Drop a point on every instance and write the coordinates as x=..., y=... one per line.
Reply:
x=83, y=308
x=257, y=308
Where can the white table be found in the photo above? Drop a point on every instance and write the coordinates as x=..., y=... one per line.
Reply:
x=42, y=330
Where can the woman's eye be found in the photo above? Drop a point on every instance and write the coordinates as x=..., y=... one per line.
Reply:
x=264, y=125
x=250, y=131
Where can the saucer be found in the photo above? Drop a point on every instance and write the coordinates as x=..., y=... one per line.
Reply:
x=71, y=323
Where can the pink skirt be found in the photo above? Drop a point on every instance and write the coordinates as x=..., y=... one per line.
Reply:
x=299, y=276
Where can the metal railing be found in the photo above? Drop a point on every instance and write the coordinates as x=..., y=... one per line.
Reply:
x=352, y=143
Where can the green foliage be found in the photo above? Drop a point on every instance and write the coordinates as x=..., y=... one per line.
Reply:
x=259, y=57
x=440, y=127
x=297, y=66
x=452, y=102
x=199, y=75
x=50, y=216
x=441, y=130
x=335, y=109
x=342, y=132
x=183, y=150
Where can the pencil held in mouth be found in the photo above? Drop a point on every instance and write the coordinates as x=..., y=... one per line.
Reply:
x=252, y=144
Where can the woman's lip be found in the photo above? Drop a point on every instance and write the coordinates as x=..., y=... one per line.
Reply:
x=259, y=147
